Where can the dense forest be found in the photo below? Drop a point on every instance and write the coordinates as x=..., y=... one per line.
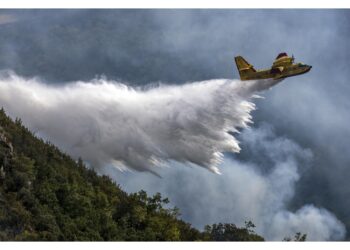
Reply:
x=46, y=195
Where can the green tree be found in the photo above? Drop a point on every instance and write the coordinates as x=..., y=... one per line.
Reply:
x=47, y=195
x=297, y=237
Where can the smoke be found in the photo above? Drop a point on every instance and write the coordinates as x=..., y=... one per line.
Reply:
x=109, y=123
x=259, y=190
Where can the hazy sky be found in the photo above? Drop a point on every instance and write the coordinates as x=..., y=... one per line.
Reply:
x=178, y=46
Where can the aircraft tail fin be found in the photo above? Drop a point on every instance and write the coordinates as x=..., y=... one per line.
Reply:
x=244, y=68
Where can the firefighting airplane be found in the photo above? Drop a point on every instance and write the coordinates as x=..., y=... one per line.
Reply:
x=282, y=67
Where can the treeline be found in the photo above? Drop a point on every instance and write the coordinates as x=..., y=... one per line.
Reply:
x=46, y=195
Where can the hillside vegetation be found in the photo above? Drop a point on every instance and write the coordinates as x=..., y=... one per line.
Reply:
x=46, y=195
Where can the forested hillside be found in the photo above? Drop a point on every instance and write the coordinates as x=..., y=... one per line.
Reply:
x=46, y=195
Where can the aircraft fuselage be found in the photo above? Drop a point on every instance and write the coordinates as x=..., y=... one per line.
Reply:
x=292, y=70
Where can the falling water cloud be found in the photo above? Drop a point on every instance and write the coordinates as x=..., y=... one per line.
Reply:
x=109, y=123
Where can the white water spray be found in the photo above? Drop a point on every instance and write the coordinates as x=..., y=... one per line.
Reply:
x=109, y=123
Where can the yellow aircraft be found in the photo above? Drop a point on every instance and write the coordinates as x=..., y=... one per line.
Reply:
x=282, y=67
